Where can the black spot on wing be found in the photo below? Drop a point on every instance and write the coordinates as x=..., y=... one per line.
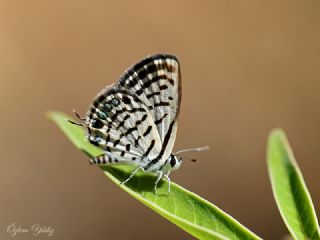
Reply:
x=163, y=87
x=97, y=123
x=151, y=67
x=96, y=103
x=153, y=94
x=136, y=142
x=128, y=147
x=115, y=143
x=150, y=148
x=126, y=100
x=161, y=104
x=148, y=130
x=94, y=142
x=142, y=73
x=100, y=99
x=160, y=119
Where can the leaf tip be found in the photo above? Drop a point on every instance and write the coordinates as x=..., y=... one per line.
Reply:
x=277, y=132
x=50, y=114
x=275, y=136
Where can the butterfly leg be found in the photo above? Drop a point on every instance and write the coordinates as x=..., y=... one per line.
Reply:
x=160, y=174
x=132, y=174
x=169, y=182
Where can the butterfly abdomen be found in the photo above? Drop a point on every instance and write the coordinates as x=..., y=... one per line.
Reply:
x=102, y=160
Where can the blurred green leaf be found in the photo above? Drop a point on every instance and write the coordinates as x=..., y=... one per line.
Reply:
x=289, y=189
x=187, y=210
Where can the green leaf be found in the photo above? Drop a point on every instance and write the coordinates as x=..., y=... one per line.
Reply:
x=190, y=212
x=289, y=189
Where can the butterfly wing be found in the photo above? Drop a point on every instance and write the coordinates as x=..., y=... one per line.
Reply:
x=121, y=124
x=137, y=117
x=156, y=82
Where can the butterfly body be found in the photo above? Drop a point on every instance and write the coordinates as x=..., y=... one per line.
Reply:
x=135, y=120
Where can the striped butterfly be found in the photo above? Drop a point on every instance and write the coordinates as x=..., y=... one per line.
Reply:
x=135, y=120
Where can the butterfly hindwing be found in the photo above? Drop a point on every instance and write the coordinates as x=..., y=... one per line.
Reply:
x=121, y=124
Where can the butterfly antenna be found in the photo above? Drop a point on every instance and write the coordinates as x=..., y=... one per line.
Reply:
x=193, y=160
x=199, y=149
x=75, y=123
x=80, y=118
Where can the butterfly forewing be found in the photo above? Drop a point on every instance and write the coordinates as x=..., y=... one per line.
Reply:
x=156, y=81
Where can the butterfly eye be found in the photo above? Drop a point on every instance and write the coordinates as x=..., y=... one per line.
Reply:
x=115, y=102
x=107, y=107
x=173, y=161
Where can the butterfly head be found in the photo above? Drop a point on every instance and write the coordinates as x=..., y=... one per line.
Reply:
x=175, y=162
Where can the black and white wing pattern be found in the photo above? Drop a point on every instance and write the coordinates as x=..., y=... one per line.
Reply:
x=135, y=120
x=156, y=81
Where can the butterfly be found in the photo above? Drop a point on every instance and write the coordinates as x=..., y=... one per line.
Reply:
x=135, y=120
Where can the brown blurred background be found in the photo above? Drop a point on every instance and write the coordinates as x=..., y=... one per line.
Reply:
x=247, y=66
